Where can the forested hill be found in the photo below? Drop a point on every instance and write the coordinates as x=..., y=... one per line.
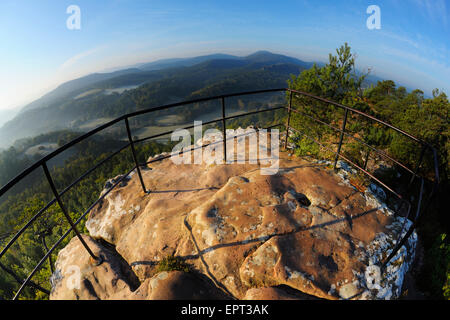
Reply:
x=69, y=88
x=423, y=117
x=97, y=97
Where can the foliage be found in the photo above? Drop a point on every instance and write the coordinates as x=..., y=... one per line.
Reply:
x=172, y=263
x=156, y=88
x=305, y=147
x=20, y=206
x=423, y=117
x=436, y=271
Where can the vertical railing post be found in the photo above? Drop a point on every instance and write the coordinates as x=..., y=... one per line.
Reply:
x=21, y=281
x=288, y=121
x=367, y=159
x=419, y=163
x=66, y=214
x=341, y=138
x=50, y=262
x=224, y=128
x=133, y=151
x=401, y=241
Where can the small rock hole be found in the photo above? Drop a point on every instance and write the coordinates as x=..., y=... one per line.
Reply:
x=301, y=198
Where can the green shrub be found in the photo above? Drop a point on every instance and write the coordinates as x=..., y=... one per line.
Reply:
x=172, y=263
x=305, y=147
x=436, y=271
x=442, y=248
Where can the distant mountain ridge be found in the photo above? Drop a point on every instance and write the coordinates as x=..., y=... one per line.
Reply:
x=72, y=86
x=98, y=96
x=6, y=115
x=183, y=62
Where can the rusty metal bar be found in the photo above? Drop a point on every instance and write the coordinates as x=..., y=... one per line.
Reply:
x=22, y=230
x=27, y=171
x=133, y=151
x=288, y=121
x=367, y=159
x=361, y=113
x=43, y=162
x=64, y=211
x=48, y=205
x=207, y=144
x=401, y=242
x=341, y=138
x=354, y=164
x=44, y=244
x=381, y=153
x=20, y=281
x=210, y=122
x=224, y=128
x=28, y=280
x=419, y=163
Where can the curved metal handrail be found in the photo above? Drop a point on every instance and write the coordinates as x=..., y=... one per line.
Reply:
x=57, y=195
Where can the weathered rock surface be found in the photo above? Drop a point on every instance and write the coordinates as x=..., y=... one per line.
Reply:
x=78, y=277
x=176, y=285
x=305, y=228
x=276, y=293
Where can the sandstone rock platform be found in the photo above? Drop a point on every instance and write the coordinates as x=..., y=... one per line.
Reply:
x=302, y=233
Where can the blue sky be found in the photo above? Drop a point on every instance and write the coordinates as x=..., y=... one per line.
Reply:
x=38, y=51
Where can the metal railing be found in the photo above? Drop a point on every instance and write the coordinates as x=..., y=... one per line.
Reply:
x=223, y=119
x=424, y=146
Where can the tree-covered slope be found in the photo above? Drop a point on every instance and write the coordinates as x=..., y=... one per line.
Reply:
x=77, y=102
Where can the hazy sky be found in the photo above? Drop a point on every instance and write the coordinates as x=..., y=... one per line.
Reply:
x=38, y=51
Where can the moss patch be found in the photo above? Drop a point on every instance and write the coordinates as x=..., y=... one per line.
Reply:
x=172, y=263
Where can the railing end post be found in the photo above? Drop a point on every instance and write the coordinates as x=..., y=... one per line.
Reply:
x=288, y=121
x=98, y=260
x=133, y=152
x=224, y=131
